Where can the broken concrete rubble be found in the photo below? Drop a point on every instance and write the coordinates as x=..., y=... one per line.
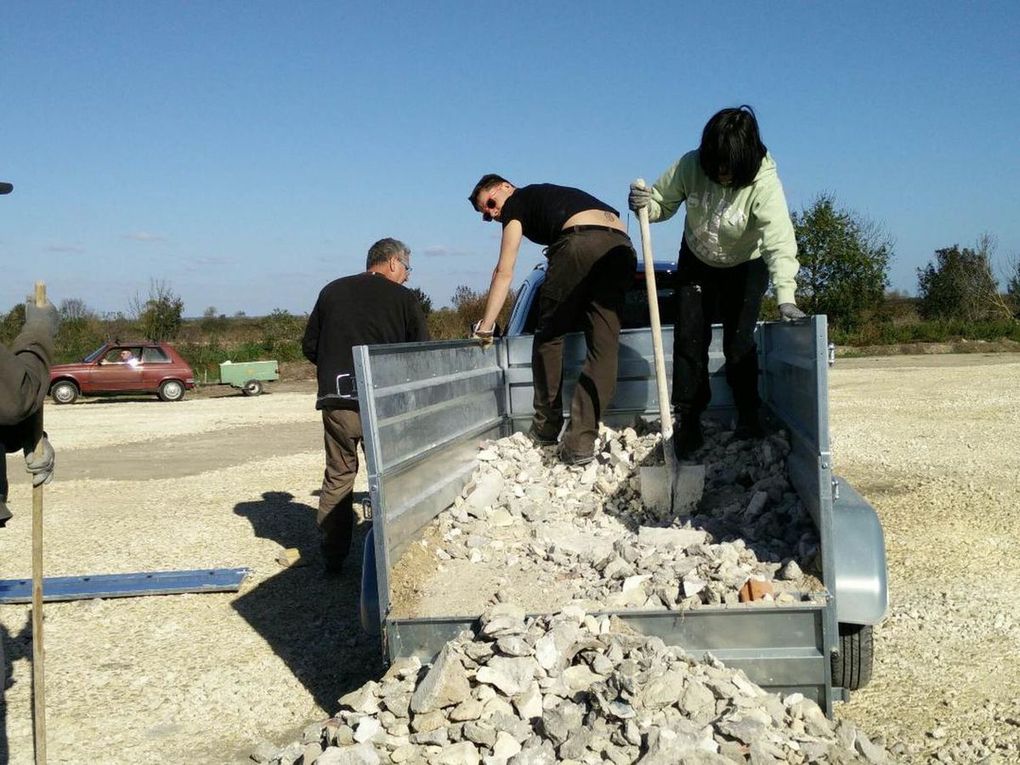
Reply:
x=606, y=694
x=533, y=531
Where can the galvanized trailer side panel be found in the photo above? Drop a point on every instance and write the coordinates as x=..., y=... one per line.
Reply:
x=778, y=648
x=424, y=409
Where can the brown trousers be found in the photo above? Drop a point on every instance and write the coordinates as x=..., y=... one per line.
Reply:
x=586, y=281
x=342, y=434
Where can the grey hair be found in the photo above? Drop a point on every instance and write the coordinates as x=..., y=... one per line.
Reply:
x=384, y=249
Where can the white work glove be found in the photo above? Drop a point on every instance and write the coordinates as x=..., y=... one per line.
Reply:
x=40, y=462
x=482, y=336
x=790, y=312
x=639, y=197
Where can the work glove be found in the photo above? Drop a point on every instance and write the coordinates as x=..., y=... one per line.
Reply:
x=790, y=312
x=483, y=337
x=639, y=197
x=40, y=462
x=44, y=316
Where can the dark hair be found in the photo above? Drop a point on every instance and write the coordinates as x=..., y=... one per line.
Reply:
x=487, y=182
x=731, y=142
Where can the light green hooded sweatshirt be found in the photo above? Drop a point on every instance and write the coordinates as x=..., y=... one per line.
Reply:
x=727, y=226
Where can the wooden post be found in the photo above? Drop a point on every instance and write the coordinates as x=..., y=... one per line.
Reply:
x=38, y=656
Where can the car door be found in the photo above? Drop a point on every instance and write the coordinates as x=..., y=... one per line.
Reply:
x=155, y=363
x=118, y=370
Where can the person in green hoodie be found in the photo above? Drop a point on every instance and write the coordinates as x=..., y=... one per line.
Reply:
x=737, y=235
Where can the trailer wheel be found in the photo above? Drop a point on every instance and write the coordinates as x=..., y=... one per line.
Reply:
x=252, y=388
x=851, y=667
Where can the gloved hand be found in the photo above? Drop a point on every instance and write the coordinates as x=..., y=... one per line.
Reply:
x=40, y=462
x=482, y=336
x=790, y=312
x=44, y=316
x=639, y=197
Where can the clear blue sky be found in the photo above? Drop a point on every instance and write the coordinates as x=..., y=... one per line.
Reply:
x=246, y=153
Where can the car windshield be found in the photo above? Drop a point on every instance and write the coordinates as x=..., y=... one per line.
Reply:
x=94, y=355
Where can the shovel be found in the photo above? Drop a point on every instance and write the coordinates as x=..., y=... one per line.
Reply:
x=656, y=481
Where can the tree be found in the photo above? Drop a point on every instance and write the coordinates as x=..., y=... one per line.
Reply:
x=425, y=300
x=959, y=284
x=73, y=309
x=844, y=262
x=160, y=316
x=12, y=323
x=1013, y=285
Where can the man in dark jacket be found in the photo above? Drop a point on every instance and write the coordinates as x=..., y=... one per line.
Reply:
x=24, y=382
x=370, y=308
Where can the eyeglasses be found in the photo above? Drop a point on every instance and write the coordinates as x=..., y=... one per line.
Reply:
x=404, y=264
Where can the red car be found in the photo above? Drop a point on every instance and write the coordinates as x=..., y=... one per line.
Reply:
x=116, y=367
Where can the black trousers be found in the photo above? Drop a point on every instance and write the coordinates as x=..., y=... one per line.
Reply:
x=13, y=438
x=705, y=294
x=586, y=282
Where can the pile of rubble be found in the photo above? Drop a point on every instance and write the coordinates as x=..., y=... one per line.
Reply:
x=532, y=518
x=570, y=687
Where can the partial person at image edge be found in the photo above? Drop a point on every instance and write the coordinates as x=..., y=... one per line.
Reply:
x=370, y=308
x=737, y=234
x=24, y=383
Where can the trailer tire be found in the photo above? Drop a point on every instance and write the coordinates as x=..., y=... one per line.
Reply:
x=252, y=388
x=851, y=667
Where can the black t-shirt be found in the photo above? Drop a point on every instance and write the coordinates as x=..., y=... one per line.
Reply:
x=543, y=208
x=365, y=309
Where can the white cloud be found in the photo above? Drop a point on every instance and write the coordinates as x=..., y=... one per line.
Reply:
x=440, y=251
x=144, y=236
x=61, y=247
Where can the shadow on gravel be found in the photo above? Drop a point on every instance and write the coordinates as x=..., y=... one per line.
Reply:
x=12, y=648
x=310, y=619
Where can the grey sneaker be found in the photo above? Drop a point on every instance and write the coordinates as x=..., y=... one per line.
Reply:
x=5, y=512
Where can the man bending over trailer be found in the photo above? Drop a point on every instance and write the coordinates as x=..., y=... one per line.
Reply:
x=369, y=308
x=591, y=264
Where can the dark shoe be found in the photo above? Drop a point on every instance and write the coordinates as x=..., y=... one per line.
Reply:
x=688, y=439
x=574, y=459
x=332, y=556
x=5, y=513
x=541, y=439
x=748, y=426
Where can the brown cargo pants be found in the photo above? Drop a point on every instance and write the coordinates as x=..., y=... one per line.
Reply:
x=341, y=435
x=588, y=275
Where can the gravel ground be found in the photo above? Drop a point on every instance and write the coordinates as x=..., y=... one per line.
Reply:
x=228, y=481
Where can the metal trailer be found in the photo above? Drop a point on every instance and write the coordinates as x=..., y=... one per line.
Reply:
x=425, y=407
x=249, y=375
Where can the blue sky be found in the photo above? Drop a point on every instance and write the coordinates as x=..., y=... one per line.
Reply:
x=246, y=153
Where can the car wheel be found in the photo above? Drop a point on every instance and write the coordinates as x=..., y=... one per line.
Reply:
x=171, y=390
x=64, y=392
x=252, y=388
x=851, y=667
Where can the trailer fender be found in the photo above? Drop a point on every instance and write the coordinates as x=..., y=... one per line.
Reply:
x=370, y=617
x=862, y=586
